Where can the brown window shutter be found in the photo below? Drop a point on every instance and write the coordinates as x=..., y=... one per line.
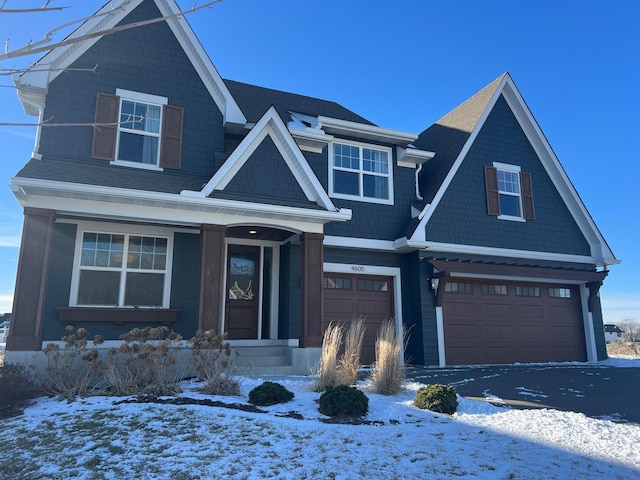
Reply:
x=171, y=142
x=104, y=136
x=491, y=185
x=527, y=196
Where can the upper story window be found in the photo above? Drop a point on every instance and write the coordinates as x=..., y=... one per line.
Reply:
x=509, y=194
x=361, y=172
x=137, y=129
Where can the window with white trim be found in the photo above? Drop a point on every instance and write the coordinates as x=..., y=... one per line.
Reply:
x=122, y=270
x=509, y=192
x=361, y=172
x=139, y=127
x=137, y=130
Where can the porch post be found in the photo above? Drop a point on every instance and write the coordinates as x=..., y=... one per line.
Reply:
x=25, y=332
x=211, y=277
x=312, y=290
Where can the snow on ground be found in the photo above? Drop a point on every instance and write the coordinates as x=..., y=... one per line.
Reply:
x=93, y=439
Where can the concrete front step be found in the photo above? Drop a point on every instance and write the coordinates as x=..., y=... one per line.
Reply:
x=263, y=359
x=275, y=360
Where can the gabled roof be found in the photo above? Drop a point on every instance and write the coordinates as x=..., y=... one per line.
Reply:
x=273, y=126
x=254, y=101
x=32, y=84
x=448, y=136
x=452, y=136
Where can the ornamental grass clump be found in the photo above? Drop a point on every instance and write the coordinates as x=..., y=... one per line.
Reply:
x=145, y=363
x=349, y=362
x=328, y=368
x=75, y=370
x=269, y=393
x=437, y=398
x=388, y=370
x=213, y=363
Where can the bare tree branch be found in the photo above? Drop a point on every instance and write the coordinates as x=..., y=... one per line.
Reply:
x=43, y=46
x=48, y=123
x=14, y=71
x=29, y=10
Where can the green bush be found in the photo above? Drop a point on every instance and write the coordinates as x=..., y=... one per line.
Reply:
x=269, y=393
x=343, y=400
x=437, y=398
x=16, y=387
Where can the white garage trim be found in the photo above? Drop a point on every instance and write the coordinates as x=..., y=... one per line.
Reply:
x=442, y=360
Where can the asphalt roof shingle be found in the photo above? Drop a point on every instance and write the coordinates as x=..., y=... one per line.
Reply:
x=254, y=101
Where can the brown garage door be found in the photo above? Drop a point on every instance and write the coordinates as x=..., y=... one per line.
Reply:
x=494, y=322
x=351, y=296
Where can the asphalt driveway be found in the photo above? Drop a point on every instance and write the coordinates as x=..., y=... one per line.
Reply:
x=598, y=391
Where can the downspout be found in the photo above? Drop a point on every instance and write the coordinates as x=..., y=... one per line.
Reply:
x=40, y=108
x=36, y=147
x=418, y=170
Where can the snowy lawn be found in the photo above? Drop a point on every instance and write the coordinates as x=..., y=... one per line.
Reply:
x=95, y=438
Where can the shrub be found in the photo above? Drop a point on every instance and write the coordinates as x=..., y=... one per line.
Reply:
x=437, y=398
x=75, y=369
x=388, y=370
x=269, y=393
x=145, y=363
x=213, y=364
x=16, y=388
x=328, y=369
x=349, y=362
x=343, y=400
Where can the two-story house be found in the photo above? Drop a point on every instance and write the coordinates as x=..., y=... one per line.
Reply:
x=176, y=197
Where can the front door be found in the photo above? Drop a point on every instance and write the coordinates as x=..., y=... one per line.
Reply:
x=243, y=288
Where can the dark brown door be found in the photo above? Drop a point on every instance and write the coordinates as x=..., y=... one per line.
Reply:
x=498, y=322
x=243, y=292
x=352, y=296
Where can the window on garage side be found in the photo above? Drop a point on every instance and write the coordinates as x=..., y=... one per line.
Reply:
x=338, y=283
x=458, y=287
x=509, y=193
x=559, y=292
x=494, y=289
x=373, y=285
x=525, y=291
x=117, y=270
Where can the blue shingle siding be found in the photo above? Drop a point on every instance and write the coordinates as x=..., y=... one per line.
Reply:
x=185, y=282
x=370, y=220
x=58, y=280
x=149, y=60
x=412, y=309
x=598, y=330
x=429, y=322
x=290, y=291
x=461, y=216
x=265, y=174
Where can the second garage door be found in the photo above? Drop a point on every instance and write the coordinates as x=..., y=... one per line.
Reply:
x=489, y=322
x=351, y=296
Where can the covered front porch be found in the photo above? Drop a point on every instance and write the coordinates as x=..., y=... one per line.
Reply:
x=261, y=285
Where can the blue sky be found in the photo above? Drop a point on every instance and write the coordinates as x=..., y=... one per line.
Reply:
x=403, y=65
